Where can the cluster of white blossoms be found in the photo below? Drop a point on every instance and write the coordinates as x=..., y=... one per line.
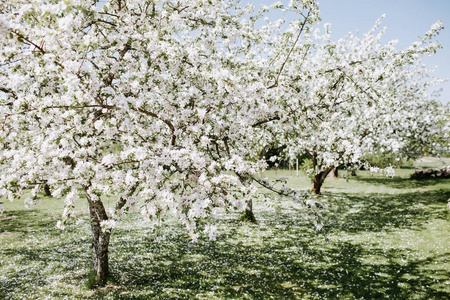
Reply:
x=108, y=224
x=29, y=202
x=169, y=104
x=388, y=171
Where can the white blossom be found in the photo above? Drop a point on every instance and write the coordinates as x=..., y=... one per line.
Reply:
x=108, y=224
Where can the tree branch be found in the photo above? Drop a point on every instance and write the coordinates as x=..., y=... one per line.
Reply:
x=265, y=121
x=290, y=51
x=168, y=123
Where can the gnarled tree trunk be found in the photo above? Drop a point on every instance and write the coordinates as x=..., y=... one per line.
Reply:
x=319, y=179
x=100, y=240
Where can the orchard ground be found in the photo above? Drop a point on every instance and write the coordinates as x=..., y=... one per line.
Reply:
x=383, y=238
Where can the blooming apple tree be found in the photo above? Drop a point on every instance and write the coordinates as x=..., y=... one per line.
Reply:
x=160, y=104
x=344, y=99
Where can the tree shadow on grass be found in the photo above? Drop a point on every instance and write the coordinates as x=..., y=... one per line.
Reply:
x=282, y=258
x=354, y=213
x=294, y=261
x=22, y=221
x=281, y=268
x=401, y=183
x=34, y=253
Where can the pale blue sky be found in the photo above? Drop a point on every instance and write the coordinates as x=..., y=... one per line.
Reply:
x=405, y=21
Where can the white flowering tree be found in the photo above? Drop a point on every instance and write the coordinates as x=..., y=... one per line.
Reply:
x=433, y=137
x=344, y=99
x=161, y=104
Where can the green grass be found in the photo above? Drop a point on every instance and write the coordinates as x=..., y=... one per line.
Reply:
x=383, y=238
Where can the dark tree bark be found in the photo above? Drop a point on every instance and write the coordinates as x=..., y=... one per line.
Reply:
x=319, y=179
x=336, y=172
x=100, y=240
x=47, y=191
x=248, y=214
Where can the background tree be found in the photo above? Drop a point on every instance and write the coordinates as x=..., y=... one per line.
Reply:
x=344, y=99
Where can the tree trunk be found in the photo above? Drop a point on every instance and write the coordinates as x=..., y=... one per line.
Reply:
x=248, y=214
x=336, y=172
x=47, y=191
x=319, y=179
x=100, y=240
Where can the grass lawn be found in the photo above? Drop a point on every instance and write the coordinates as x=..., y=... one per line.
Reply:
x=383, y=238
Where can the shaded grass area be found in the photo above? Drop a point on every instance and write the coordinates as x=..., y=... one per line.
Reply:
x=382, y=239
